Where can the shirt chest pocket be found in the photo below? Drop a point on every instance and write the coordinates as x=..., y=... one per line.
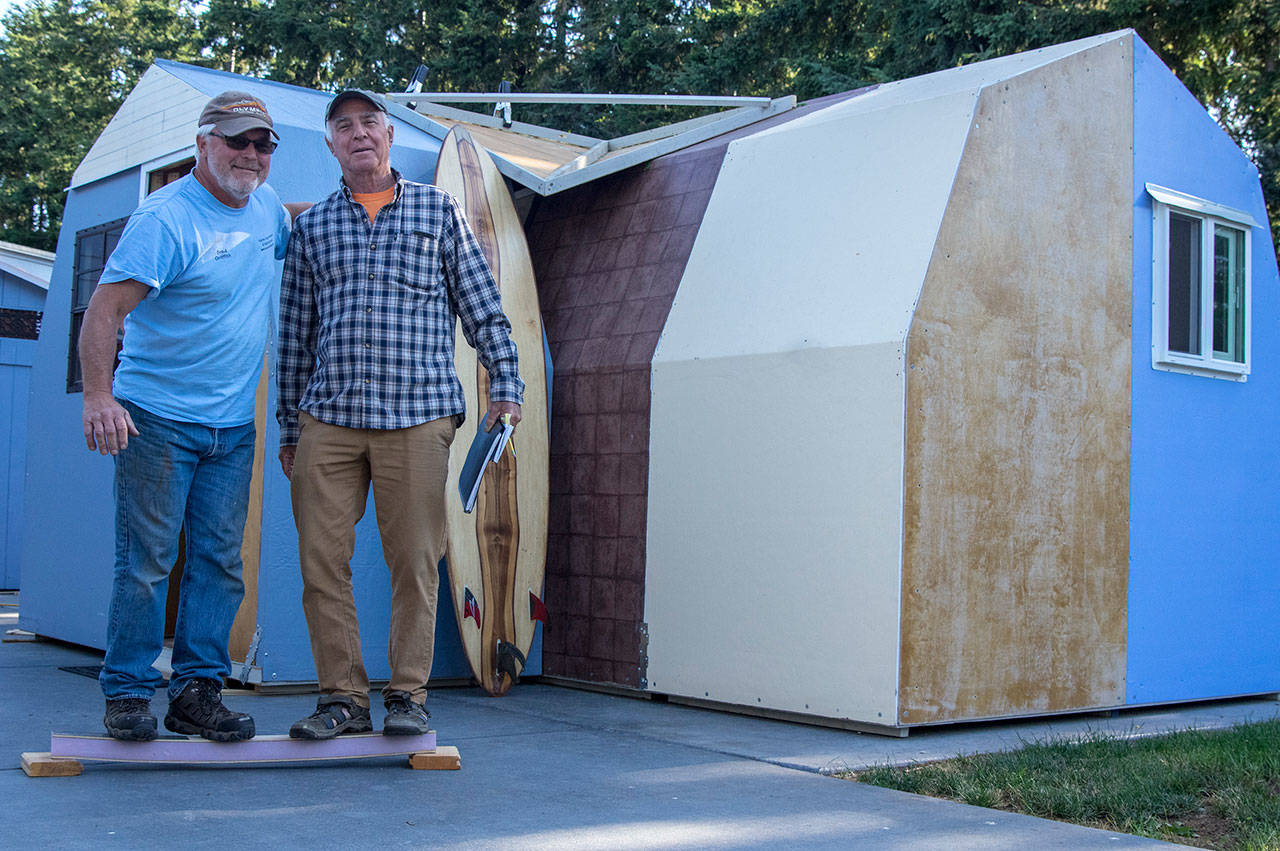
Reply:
x=415, y=257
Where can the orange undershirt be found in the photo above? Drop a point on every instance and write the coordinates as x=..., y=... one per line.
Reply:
x=374, y=201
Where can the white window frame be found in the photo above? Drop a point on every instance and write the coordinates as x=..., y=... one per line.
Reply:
x=1164, y=201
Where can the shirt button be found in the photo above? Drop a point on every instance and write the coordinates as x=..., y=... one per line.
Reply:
x=373, y=246
x=368, y=310
x=371, y=276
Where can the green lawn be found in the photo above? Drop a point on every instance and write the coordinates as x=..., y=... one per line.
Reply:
x=1214, y=789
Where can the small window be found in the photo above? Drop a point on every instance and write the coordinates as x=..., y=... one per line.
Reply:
x=1201, y=304
x=168, y=174
x=93, y=246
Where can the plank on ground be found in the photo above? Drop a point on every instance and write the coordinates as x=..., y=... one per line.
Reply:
x=44, y=764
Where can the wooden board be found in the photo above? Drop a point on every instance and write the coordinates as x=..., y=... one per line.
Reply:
x=45, y=764
x=497, y=553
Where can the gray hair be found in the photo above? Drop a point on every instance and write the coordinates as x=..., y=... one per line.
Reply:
x=203, y=130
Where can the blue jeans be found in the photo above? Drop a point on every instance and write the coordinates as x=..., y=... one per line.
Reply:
x=176, y=473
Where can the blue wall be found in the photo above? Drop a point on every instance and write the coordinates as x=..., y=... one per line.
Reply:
x=67, y=531
x=15, y=380
x=1204, y=552
x=69, y=526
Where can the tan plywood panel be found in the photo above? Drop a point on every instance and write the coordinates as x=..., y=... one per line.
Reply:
x=1017, y=424
x=246, y=621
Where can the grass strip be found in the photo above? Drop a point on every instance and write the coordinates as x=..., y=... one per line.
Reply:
x=1211, y=789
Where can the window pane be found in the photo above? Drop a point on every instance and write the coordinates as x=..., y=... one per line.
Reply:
x=1184, y=284
x=113, y=237
x=90, y=252
x=86, y=282
x=1228, y=294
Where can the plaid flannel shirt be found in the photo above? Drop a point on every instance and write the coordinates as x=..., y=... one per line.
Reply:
x=367, y=314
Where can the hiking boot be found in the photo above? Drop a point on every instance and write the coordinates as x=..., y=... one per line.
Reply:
x=130, y=719
x=199, y=709
x=404, y=717
x=333, y=716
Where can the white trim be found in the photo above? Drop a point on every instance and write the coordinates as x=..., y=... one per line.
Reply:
x=1204, y=364
x=145, y=169
x=548, y=97
x=1182, y=200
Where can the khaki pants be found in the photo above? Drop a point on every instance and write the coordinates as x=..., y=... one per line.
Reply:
x=332, y=471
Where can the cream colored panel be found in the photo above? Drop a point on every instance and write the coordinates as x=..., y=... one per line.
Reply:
x=966, y=78
x=157, y=118
x=774, y=530
x=820, y=237
x=1017, y=465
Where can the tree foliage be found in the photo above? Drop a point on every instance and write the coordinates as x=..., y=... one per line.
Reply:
x=56, y=52
x=65, y=66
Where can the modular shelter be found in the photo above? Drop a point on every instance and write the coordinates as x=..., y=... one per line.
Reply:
x=873, y=412
x=934, y=401
x=69, y=539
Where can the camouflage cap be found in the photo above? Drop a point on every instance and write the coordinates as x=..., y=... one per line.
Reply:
x=232, y=113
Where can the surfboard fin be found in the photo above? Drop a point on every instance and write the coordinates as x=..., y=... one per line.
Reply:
x=537, y=608
x=470, y=608
x=510, y=660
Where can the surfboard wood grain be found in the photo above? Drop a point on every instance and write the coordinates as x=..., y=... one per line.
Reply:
x=497, y=553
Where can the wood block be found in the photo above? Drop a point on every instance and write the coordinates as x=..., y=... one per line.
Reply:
x=443, y=758
x=44, y=764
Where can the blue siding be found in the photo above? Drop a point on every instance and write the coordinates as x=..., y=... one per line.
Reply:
x=1204, y=588
x=67, y=540
x=15, y=377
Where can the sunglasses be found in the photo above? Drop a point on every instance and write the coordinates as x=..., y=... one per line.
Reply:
x=239, y=143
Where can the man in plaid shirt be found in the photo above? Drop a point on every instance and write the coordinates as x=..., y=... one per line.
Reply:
x=374, y=277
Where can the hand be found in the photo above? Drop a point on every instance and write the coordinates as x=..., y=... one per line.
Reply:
x=497, y=409
x=107, y=425
x=287, y=454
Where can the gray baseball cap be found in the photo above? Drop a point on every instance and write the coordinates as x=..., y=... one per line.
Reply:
x=347, y=94
x=233, y=113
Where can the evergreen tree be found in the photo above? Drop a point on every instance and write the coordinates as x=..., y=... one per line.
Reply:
x=65, y=67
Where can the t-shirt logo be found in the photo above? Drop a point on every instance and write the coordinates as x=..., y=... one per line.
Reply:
x=265, y=242
x=222, y=254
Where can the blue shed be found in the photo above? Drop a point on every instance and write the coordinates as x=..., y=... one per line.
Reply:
x=68, y=542
x=24, y=280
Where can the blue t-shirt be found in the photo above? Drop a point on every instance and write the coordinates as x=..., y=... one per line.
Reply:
x=193, y=347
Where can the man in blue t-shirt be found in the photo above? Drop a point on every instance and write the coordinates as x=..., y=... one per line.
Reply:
x=193, y=281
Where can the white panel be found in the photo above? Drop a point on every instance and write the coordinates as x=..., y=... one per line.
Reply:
x=774, y=530
x=157, y=118
x=819, y=236
x=953, y=80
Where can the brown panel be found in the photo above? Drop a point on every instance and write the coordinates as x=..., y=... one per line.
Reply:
x=1017, y=424
x=246, y=622
x=608, y=258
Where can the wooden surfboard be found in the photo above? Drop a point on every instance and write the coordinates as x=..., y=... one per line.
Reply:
x=497, y=553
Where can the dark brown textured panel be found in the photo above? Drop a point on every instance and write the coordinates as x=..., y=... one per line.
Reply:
x=1015, y=539
x=608, y=258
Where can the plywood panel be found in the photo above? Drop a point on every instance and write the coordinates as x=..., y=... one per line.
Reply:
x=1017, y=496
x=774, y=530
x=246, y=621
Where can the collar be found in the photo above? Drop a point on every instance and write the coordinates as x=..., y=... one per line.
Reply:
x=398, y=187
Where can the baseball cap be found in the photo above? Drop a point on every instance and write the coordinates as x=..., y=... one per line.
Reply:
x=347, y=94
x=235, y=112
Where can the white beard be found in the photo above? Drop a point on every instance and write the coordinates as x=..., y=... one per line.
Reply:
x=235, y=182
